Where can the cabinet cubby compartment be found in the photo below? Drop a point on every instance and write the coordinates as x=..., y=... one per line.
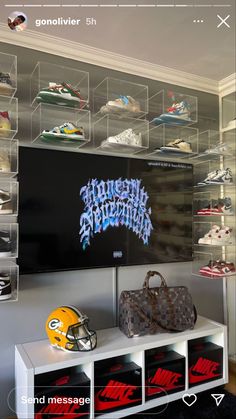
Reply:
x=36, y=360
x=8, y=198
x=214, y=173
x=206, y=233
x=8, y=117
x=110, y=89
x=173, y=108
x=8, y=240
x=8, y=158
x=8, y=67
x=202, y=261
x=165, y=370
x=214, y=203
x=205, y=359
x=161, y=136
x=72, y=382
x=45, y=73
x=126, y=136
x=45, y=117
x=9, y=281
x=229, y=112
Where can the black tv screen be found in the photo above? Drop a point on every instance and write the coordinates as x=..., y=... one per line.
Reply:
x=81, y=210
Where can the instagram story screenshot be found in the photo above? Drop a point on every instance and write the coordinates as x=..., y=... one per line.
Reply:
x=117, y=209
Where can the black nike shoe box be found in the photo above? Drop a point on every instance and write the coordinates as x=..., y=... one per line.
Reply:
x=66, y=395
x=118, y=385
x=164, y=372
x=205, y=362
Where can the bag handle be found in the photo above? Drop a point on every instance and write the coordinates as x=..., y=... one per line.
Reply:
x=149, y=275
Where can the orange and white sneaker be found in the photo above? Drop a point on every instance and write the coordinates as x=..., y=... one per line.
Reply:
x=120, y=105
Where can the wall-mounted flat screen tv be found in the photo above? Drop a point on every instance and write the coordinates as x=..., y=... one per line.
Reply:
x=81, y=210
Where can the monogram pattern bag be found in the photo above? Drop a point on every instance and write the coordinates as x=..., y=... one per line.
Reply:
x=156, y=310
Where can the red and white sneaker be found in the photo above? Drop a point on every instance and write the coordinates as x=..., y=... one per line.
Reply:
x=208, y=237
x=223, y=238
x=218, y=269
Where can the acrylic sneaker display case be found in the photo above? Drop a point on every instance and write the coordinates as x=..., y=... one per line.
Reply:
x=34, y=360
x=213, y=173
x=172, y=108
x=74, y=126
x=168, y=141
x=221, y=233
x=121, y=136
x=8, y=74
x=213, y=265
x=229, y=112
x=214, y=203
x=8, y=158
x=120, y=98
x=8, y=240
x=8, y=117
x=45, y=73
x=210, y=146
x=8, y=198
x=9, y=281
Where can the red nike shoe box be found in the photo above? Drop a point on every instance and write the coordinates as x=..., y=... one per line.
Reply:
x=164, y=372
x=118, y=385
x=205, y=362
x=66, y=395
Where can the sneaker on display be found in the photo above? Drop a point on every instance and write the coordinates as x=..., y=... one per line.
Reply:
x=223, y=237
x=5, y=286
x=217, y=268
x=221, y=178
x=5, y=124
x=5, y=84
x=220, y=148
x=177, y=114
x=5, y=244
x=231, y=124
x=121, y=104
x=177, y=145
x=222, y=207
x=127, y=137
x=67, y=132
x=5, y=202
x=5, y=165
x=208, y=178
x=61, y=94
x=208, y=237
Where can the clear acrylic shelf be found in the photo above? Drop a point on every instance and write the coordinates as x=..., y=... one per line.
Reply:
x=110, y=89
x=210, y=147
x=8, y=198
x=214, y=203
x=209, y=233
x=45, y=73
x=8, y=68
x=8, y=240
x=202, y=261
x=8, y=117
x=9, y=273
x=126, y=136
x=173, y=108
x=219, y=175
x=162, y=137
x=8, y=158
x=46, y=117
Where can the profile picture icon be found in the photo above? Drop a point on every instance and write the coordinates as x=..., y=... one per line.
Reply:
x=17, y=21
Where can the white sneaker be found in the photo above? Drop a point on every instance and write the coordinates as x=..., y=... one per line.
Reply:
x=221, y=178
x=212, y=234
x=223, y=238
x=220, y=148
x=210, y=176
x=127, y=137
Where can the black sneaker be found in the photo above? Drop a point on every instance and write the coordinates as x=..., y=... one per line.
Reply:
x=5, y=286
x=5, y=244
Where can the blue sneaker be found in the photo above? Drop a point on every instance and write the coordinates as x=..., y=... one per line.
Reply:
x=177, y=114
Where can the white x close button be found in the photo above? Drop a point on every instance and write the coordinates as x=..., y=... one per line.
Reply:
x=223, y=21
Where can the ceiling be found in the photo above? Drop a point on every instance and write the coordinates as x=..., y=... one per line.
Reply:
x=166, y=36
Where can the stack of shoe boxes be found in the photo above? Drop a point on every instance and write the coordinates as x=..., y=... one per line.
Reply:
x=8, y=183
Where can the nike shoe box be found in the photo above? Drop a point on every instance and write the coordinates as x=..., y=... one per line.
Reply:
x=205, y=362
x=118, y=385
x=67, y=395
x=164, y=372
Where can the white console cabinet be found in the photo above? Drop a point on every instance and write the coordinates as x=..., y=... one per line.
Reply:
x=39, y=357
